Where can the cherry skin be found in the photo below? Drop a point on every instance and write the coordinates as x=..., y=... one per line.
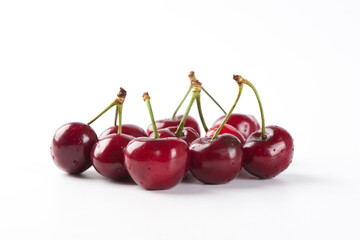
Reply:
x=225, y=129
x=128, y=129
x=244, y=123
x=107, y=156
x=71, y=147
x=216, y=161
x=266, y=158
x=164, y=123
x=157, y=164
x=188, y=133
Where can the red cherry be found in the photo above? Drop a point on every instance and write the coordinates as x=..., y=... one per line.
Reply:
x=128, y=129
x=225, y=129
x=188, y=134
x=71, y=147
x=164, y=123
x=107, y=156
x=157, y=164
x=245, y=124
x=266, y=158
x=216, y=161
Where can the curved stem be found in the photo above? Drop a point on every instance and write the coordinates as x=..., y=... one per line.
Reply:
x=104, y=111
x=229, y=113
x=148, y=104
x=119, y=110
x=213, y=100
x=182, y=101
x=200, y=113
x=178, y=131
x=116, y=115
x=263, y=136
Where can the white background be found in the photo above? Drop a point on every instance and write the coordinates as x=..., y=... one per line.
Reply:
x=64, y=61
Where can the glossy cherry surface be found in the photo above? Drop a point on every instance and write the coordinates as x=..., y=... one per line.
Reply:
x=188, y=133
x=164, y=123
x=225, y=129
x=107, y=156
x=158, y=163
x=244, y=123
x=71, y=147
x=266, y=158
x=128, y=129
x=216, y=161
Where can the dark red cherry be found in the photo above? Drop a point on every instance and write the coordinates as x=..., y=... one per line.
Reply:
x=216, y=161
x=107, y=156
x=71, y=147
x=188, y=133
x=128, y=129
x=158, y=163
x=266, y=158
x=225, y=129
x=245, y=124
x=164, y=123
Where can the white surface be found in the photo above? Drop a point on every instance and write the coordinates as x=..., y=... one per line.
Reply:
x=63, y=61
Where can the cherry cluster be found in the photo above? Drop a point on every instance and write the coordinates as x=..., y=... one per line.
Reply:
x=160, y=157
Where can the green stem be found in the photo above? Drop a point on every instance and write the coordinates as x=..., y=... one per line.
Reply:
x=119, y=110
x=182, y=101
x=200, y=113
x=116, y=115
x=213, y=100
x=104, y=111
x=178, y=131
x=263, y=135
x=148, y=104
x=229, y=113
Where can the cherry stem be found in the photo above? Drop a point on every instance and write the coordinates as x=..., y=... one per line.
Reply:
x=213, y=100
x=229, y=113
x=178, y=131
x=146, y=98
x=116, y=115
x=119, y=100
x=263, y=135
x=119, y=110
x=200, y=113
x=104, y=111
x=182, y=101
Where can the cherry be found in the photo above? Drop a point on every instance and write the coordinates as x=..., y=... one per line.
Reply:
x=266, y=158
x=71, y=147
x=129, y=129
x=225, y=129
x=245, y=124
x=188, y=134
x=107, y=155
x=268, y=151
x=217, y=160
x=156, y=163
x=164, y=123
